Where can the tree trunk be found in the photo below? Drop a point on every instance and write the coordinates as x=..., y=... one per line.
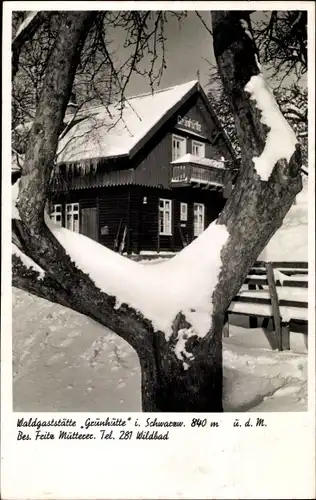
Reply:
x=190, y=384
x=256, y=207
x=181, y=372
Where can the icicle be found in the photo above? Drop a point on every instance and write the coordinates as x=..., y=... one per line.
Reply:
x=95, y=165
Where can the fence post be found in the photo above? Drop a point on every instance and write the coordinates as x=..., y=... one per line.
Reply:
x=285, y=332
x=253, y=321
x=275, y=305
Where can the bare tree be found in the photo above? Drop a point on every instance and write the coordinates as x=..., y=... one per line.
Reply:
x=293, y=101
x=93, y=81
x=99, y=78
x=221, y=105
x=265, y=190
x=281, y=37
x=281, y=40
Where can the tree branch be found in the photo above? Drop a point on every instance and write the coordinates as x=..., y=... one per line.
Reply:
x=204, y=23
x=68, y=286
x=25, y=33
x=63, y=281
x=43, y=138
x=182, y=365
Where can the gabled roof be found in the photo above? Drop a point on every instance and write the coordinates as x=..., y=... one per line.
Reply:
x=113, y=132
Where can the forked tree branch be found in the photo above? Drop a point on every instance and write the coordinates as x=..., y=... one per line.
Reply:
x=63, y=282
x=255, y=210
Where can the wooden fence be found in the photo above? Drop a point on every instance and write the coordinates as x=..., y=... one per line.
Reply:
x=276, y=291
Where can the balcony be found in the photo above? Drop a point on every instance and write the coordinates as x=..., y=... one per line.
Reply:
x=194, y=171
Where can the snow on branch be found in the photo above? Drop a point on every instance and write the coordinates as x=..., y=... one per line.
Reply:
x=180, y=350
x=27, y=261
x=184, y=283
x=281, y=139
x=246, y=27
x=25, y=23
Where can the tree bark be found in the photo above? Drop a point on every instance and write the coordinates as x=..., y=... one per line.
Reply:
x=192, y=381
x=50, y=112
x=168, y=385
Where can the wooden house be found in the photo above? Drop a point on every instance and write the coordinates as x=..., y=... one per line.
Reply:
x=148, y=177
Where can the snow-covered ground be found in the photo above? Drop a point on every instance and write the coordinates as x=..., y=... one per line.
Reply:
x=63, y=361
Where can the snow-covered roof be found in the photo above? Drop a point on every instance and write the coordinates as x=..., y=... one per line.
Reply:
x=114, y=131
x=198, y=160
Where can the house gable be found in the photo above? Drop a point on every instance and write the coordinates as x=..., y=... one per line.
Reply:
x=197, y=121
x=119, y=131
x=193, y=121
x=193, y=115
x=149, y=165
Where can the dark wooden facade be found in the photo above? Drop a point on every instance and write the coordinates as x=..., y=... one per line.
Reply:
x=102, y=210
x=125, y=191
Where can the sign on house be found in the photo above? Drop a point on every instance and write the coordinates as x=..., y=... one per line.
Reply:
x=189, y=123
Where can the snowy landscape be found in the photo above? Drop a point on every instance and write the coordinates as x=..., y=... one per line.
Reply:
x=162, y=189
x=63, y=361
x=103, y=152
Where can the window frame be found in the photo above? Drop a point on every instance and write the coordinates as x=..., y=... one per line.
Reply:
x=183, y=141
x=199, y=144
x=183, y=218
x=163, y=210
x=197, y=227
x=56, y=213
x=72, y=212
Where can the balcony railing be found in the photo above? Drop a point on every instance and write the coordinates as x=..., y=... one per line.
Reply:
x=198, y=174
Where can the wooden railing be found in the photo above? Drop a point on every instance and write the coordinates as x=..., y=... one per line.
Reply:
x=189, y=174
x=276, y=291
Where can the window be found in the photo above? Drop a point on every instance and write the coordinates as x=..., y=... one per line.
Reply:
x=56, y=215
x=165, y=217
x=199, y=211
x=183, y=212
x=72, y=217
x=198, y=149
x=179, y=147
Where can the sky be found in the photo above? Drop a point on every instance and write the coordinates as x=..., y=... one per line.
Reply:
x=189, y=50
x=188, y=47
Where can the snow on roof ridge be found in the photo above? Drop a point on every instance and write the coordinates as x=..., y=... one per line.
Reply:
x=136, y=96
x=161, y=90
